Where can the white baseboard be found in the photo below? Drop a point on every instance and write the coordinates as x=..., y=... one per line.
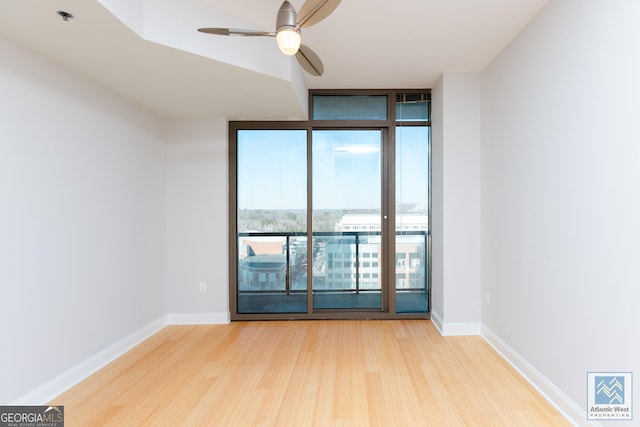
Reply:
x=58, y=385
x=449, y=329
x=48, y=391
x=437, y=321
x=220, y=318
x=567, y=407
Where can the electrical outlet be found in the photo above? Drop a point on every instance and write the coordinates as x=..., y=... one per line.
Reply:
x=487, y=298
x=203, y=287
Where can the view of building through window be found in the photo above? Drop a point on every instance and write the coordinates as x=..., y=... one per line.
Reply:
x=336, y=254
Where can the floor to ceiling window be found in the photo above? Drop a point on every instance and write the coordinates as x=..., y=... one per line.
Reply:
x=329, y=218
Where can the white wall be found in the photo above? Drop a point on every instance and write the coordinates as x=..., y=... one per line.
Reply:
x=560, y=203
x=81, y=221
x=456, y=204
x=197, y=212
x=437, y=204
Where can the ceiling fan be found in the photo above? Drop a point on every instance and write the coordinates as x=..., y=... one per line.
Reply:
x=287, y=34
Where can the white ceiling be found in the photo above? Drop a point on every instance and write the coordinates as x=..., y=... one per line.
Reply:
x=159, y=61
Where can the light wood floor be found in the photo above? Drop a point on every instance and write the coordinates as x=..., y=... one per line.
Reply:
x=308, y=373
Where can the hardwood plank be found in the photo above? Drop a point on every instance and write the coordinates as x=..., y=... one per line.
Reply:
x=308, y=373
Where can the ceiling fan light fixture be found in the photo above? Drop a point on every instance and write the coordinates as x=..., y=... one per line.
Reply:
x=288, y=40
x=288, y=28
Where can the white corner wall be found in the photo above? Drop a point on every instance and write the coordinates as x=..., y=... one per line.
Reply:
x=197, y=221
x=437, y=205
x=560, y=203
x=456, y=204
x=81, y=224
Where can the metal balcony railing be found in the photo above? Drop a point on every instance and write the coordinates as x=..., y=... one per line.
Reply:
x=277, y=262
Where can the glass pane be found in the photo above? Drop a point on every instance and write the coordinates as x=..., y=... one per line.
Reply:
x=346, y=219
x=349, y=107
x=412, y=107
x=411, y=277
x=272, y=221
x=412, y=222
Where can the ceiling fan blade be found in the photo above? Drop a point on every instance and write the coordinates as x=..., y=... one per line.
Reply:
x=309, y=61
x=314, y=11
x=236, y=32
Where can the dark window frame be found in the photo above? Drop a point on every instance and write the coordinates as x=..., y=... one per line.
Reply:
x=390, y=125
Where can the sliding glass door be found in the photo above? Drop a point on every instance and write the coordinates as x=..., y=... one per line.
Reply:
x=347, y=219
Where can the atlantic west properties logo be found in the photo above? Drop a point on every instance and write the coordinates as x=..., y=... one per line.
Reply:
x=609, y=396
x=32, y=416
